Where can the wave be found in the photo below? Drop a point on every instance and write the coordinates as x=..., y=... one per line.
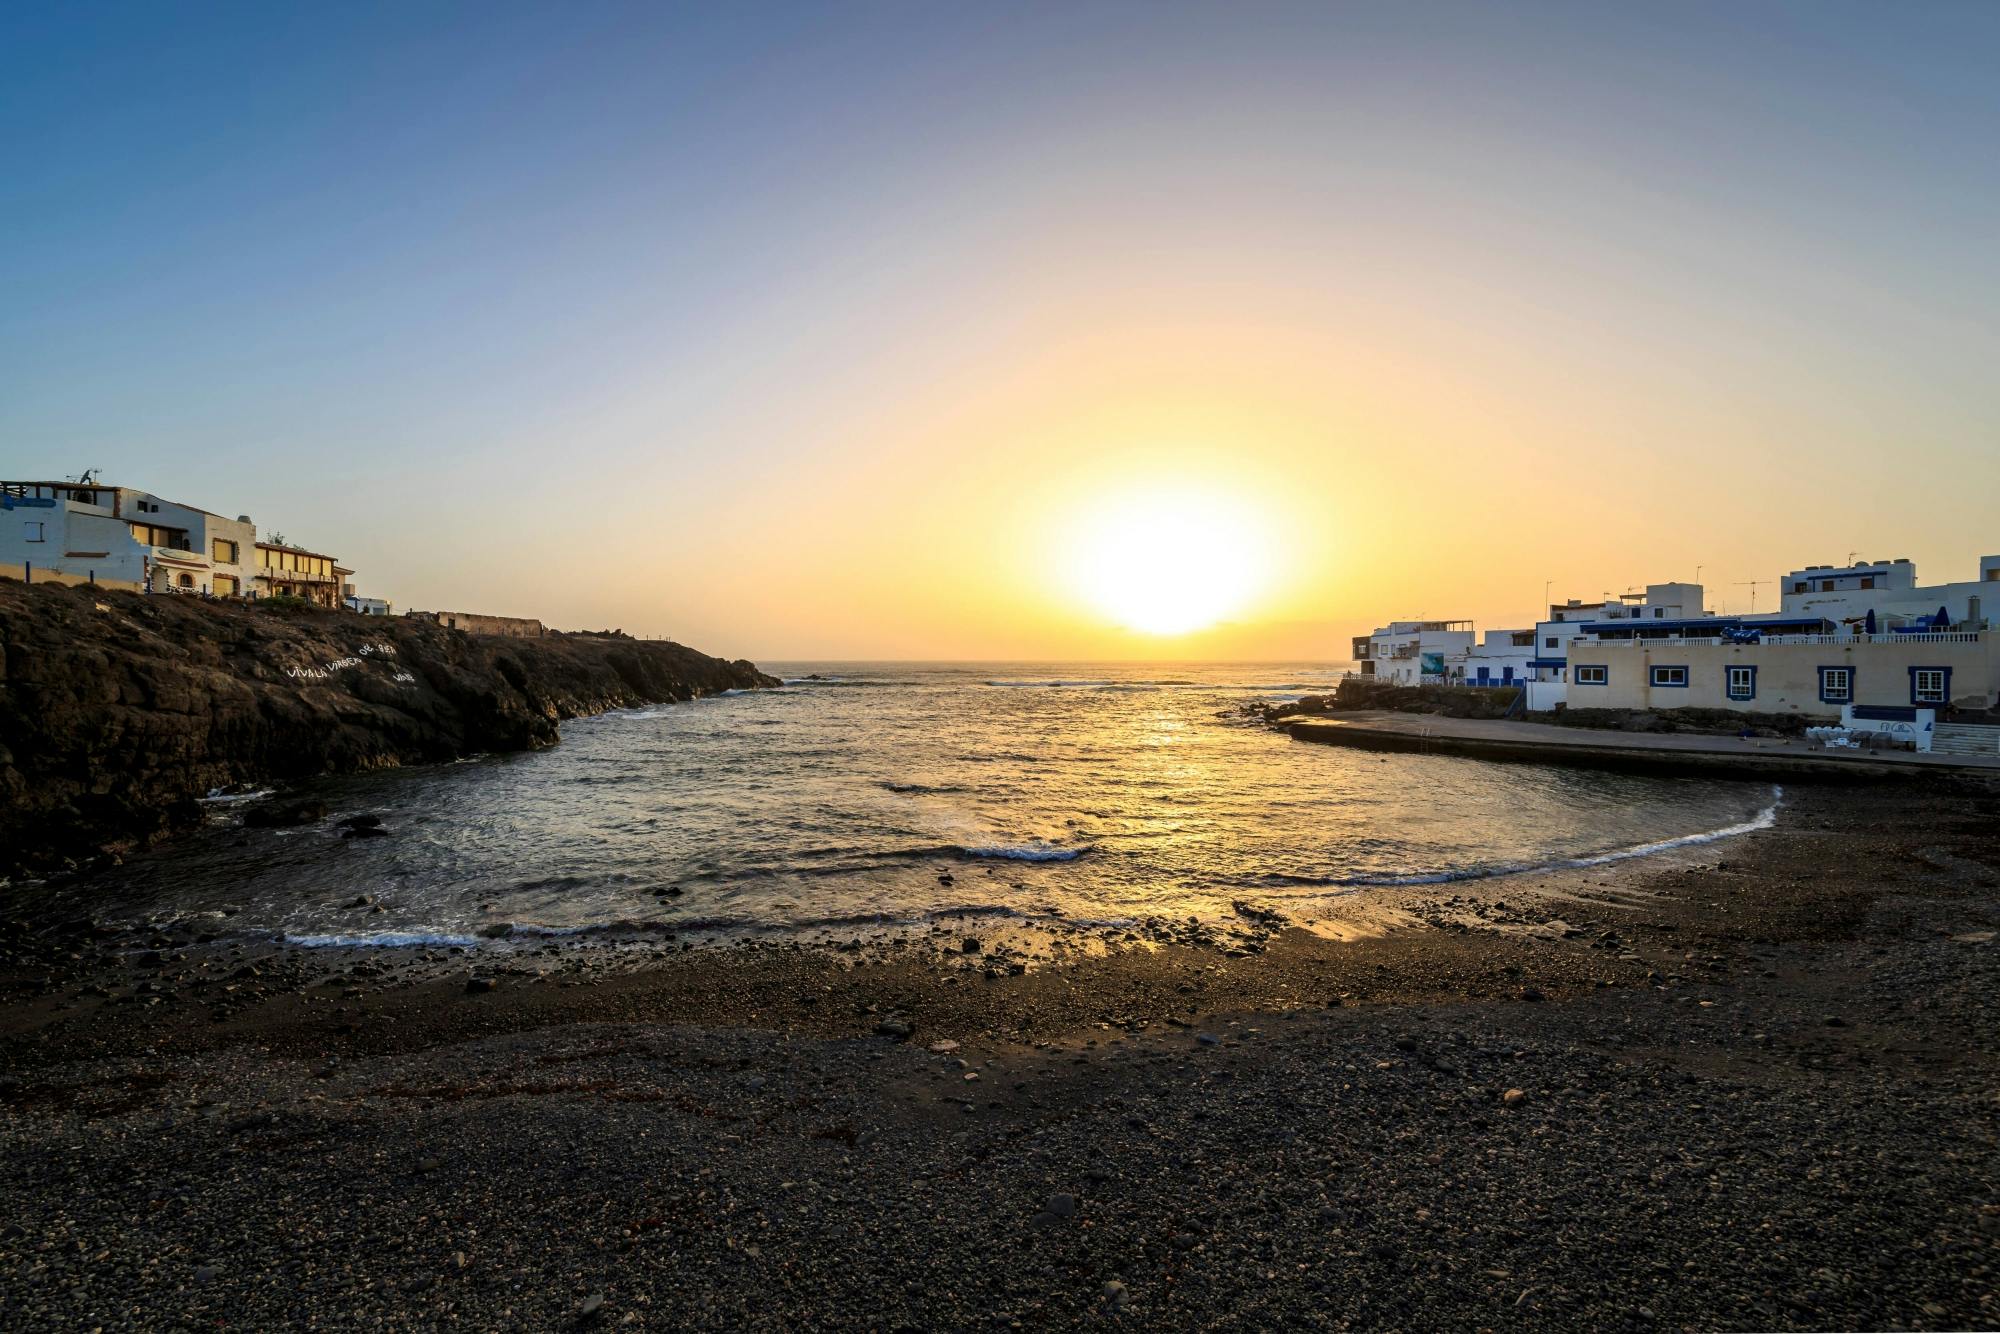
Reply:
x=378, y=939
x=1024, y=852
x=1763, y=819
x=1171, y=683
x=217, y=797
x=918, y=789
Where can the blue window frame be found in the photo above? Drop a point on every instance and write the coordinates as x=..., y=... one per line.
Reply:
x=1930, y=686
x=1670, y=676
x=1590, y=675
x=1741, y=682
x=1836, y=685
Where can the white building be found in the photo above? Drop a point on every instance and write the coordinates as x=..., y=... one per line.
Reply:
x=1659, y=605
x=1415, y=652
x=1501, y=658
x=122, y=537
x=1889, y=588
x=364, y=606
x=81, y=532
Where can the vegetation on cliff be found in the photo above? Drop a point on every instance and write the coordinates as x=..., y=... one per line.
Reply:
x=119, y=712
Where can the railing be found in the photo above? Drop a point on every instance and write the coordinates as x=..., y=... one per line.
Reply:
x=1915, y=637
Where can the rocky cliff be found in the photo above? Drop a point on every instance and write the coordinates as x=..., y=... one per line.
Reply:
x=119, y=711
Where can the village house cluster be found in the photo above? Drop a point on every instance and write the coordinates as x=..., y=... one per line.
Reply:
x=90, y=532
x=1862, y=643
x=86, y=531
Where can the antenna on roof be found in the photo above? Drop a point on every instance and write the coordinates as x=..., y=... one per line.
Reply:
x=88, y=478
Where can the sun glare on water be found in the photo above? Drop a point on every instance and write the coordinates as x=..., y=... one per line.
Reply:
x=1168, y=563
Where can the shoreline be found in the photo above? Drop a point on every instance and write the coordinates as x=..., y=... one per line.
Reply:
x=1145, y=1129
x=1258, y=911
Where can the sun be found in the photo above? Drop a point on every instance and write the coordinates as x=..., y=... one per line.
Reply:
x=1168, y=562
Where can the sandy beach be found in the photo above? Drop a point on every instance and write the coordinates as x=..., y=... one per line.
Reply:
x=1730, y=1086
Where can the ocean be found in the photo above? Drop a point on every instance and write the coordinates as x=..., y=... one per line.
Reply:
x=898, y=793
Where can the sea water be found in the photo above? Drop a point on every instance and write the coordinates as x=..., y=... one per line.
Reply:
x=901, y=793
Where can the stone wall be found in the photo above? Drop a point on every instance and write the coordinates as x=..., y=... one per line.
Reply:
x=515, y=627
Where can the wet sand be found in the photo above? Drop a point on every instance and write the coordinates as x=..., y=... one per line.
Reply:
x=1744, y=1085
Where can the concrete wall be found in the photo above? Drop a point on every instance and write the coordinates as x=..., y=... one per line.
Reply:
x=475, y=624
x=1787, y=673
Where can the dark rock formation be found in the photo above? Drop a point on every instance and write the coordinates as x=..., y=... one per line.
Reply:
x=119, y=711
x=1355, y=693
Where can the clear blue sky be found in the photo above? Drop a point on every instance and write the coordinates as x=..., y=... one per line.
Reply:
x=701, y=320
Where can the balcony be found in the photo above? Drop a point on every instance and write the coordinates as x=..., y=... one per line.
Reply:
x=1673, y=642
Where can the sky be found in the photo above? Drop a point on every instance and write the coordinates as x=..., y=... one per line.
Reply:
x=922, y=331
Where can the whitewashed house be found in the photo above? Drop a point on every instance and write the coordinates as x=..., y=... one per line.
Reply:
x=1415, y=652
x=87, y=532
x=1847, y=593
x=1501, y=658
x=121, y=537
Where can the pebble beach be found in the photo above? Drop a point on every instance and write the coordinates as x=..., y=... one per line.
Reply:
x=1729, y=1086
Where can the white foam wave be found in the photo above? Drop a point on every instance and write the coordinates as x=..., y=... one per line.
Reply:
x=217, y=797
x=1026, y=852
x=1763, y=819
x=379, y=939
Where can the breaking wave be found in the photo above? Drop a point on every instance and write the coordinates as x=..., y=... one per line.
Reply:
x=1763, y=819
x=1025, y=852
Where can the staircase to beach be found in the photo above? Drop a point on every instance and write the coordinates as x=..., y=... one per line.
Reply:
x=1965, y=739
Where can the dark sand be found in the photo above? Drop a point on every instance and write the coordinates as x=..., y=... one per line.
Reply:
x=1755, y=1089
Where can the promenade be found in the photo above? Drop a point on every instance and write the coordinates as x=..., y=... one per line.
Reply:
x=1547, y=743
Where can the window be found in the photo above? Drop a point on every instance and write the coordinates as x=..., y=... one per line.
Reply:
x=1826, y=585
x=1930, y=685
x=1659, y=613
x=223, y=550
x=1799, y=587
x=1550, y=642
x=186, y=581
x=1836, y=685
x=1742, y=683
x=33, y=531
x=1593, y=676
x=1868, y=581
x=1670, y=676
x=154, y=535
x=226, y=585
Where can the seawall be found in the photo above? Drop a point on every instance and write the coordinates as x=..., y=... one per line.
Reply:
x=119, y=711
x=1535, y=743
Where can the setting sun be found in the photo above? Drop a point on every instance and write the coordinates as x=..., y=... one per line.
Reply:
x=1168, y=562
